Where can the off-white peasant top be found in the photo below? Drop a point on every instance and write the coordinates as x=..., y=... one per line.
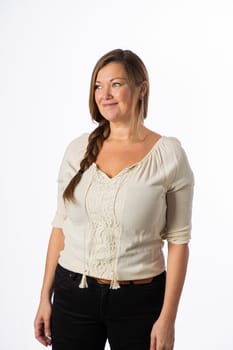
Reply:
x=115, y=229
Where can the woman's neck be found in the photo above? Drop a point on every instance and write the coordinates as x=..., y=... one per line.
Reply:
x=127, y=133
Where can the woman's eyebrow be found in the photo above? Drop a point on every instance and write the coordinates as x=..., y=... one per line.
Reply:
x=98, y=81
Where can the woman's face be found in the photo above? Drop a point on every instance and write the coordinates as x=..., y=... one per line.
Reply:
x=115, y=96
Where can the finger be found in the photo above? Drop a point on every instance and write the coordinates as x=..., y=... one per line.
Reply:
x=40, y=333
x=47, y=331
x=38, y=327
x=48, y=340
x=153, y=344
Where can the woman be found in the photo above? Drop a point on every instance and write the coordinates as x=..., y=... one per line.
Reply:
x=122, y=190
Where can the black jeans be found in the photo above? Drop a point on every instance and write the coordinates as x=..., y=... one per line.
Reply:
x=83, y=319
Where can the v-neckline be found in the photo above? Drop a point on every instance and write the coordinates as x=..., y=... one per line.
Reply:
x=122, y=171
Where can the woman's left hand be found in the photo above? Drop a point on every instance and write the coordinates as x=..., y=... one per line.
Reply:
x=162, y=336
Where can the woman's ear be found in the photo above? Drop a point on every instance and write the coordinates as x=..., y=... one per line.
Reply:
x=143, y=89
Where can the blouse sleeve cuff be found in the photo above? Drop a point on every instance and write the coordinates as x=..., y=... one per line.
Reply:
x=179, y=236
x=58, y=220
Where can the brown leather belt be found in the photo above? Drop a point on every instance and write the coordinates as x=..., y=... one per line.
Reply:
x=142, y=281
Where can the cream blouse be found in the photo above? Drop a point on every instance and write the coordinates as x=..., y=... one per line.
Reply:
x=115, y=229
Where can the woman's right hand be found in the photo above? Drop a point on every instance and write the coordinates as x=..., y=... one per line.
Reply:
x=43, y=316
x=42, y=323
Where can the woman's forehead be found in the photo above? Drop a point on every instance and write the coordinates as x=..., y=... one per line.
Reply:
x=112, y=71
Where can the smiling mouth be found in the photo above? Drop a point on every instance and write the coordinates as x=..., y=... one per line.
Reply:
x=109, y=104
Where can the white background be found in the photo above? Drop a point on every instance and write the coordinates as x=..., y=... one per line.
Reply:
x=48, y=49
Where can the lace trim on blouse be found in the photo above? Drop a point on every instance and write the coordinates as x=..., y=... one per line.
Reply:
x=104, y=243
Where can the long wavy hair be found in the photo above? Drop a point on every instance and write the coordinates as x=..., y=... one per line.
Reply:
x=137, y=74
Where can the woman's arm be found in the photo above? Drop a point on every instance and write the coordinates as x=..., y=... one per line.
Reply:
x=162, y=334
x=42, y=319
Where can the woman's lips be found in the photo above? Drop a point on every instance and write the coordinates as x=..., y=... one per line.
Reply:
x=109, y=104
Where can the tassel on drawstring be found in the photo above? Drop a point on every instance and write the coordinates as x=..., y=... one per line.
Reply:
x=83, y=283
x=114, y=284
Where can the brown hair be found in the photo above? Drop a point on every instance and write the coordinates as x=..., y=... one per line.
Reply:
x=137, y=74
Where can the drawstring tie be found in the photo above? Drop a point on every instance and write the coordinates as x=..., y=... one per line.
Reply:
x=83, y=283
x=114, y=283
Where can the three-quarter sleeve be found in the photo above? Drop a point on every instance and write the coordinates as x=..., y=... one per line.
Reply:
x=179, y=196
x=69, y=166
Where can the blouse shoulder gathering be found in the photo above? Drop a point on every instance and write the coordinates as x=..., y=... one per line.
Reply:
x=75, y=149
x=176, y=165
x=68, y=168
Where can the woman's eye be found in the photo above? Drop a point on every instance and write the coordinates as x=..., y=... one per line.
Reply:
x=98, y=87
x=116, y=84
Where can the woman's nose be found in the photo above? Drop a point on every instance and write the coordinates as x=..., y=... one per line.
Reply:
x=107, y=94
